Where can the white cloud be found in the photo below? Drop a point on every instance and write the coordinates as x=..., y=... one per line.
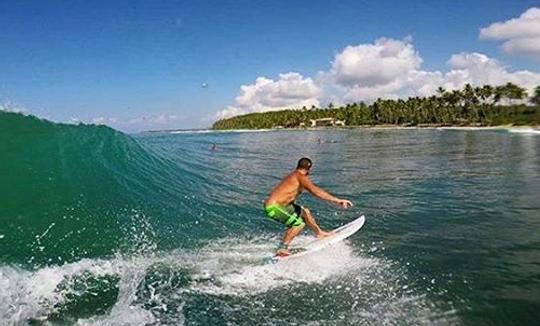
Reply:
x=371, y=65
x=291, y=90
x=151, y=121
x=479, y=69
x=146, y=122
x=520, y=35
x=370, y=93
x=473, y=68
x=387, y=68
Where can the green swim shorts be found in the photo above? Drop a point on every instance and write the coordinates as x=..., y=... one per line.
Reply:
x=290, y=215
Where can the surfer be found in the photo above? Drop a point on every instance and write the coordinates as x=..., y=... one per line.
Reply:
x=281, y=205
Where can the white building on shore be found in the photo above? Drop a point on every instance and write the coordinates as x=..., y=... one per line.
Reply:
x=326, y=122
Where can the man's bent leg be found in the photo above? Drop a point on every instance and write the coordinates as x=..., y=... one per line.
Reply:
x=291, y=233
x=310, y=221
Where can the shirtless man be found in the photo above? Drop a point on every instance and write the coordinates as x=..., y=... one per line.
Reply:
x=281, y=205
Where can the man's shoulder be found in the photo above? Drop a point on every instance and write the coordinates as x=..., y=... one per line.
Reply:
x=293, y=176
x=300, y=177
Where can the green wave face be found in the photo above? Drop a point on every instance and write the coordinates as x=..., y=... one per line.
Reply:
x=73, y=191
x=101, y=228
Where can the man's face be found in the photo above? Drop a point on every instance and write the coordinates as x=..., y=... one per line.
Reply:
x=309, y=170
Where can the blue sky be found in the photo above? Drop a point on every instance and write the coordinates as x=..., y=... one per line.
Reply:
x=140, y=64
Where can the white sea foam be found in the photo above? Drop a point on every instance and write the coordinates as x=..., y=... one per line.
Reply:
x=522, y=130
x=525, y=130
x=471, y=128
x=230, y=267
x=33, y=295
x=234, y=278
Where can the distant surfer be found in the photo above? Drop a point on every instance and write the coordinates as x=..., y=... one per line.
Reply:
x=281, y=205
x=320, y=141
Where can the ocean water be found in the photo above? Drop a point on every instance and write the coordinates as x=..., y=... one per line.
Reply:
x=102, y=228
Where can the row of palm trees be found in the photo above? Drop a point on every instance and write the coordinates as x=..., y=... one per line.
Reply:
x=482, y=105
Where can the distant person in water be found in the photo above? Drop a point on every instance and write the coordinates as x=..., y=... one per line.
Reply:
x=281, y=205
x=320, y=141
x=214, y=147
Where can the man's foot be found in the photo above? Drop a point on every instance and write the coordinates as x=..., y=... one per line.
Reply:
x=283, y=253
x=325, y=234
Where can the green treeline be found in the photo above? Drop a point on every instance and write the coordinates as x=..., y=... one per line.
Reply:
x=479, y=106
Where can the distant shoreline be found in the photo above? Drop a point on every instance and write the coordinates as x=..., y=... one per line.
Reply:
x=509, y=127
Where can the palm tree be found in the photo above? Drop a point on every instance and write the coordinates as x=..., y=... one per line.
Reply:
x=535, y=99
x=441, y=91
x=515, y=92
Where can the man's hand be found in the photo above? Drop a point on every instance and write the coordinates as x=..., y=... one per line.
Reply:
x=344, y=203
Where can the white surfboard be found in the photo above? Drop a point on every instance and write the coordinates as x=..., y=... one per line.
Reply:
x=341, y=233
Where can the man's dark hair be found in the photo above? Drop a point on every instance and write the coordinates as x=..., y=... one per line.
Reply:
x=304, y=163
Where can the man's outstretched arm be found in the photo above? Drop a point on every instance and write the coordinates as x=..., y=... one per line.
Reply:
x=318, y=192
